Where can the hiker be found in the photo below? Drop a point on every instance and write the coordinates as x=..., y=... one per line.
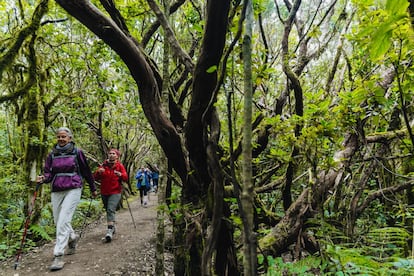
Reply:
x=155, y=176
x=143, y=177
x=65, y=166
x=111, y=174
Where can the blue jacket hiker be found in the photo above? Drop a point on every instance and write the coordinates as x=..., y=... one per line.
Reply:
x=143, y=178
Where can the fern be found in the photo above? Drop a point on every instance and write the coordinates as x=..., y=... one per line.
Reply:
x=387, y=242
x=39, y=231
x=304, y=267
x=353, y=261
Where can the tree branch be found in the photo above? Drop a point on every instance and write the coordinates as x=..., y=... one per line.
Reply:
x=143, y=72
x=169, y=34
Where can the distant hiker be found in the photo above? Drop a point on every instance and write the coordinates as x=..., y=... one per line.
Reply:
x=110, y=175
x=155, y=175
x=143, y=177
x=65, y=166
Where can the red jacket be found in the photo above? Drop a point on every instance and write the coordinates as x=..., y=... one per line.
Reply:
x=110, y=182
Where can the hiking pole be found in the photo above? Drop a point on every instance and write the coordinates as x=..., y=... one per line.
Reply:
x=129, y=208
x=85, y=219
x=26, y=225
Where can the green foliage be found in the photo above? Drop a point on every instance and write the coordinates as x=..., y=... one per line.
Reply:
x=381, y=25
x=307, y=266
x=212, y=69
x=352, y=261
x=40, y=232
x=379, y=251
x=86, y=211
x=12, y=199
x=387, y=242
x=406, y=266
x=175, y=208
x=342, y=260
x=46, y=219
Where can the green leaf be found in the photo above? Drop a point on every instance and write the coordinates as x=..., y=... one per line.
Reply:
x=396, y=7
x=381, y=40
x=212, y=69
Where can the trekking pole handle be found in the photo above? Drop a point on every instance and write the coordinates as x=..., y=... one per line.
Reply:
x=40, y=179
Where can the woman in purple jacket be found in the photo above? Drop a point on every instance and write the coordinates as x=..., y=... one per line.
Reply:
x=65, y=167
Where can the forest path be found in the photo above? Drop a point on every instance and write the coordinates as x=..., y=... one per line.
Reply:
x=131, y=252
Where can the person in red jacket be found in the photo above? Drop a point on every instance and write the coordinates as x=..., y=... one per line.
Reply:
x=111, y=174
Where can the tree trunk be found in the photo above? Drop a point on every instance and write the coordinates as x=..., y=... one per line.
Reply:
x=247, y=196
x=288, y=229
x=161, y=216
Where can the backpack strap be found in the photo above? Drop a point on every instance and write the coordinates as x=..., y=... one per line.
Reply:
x=76, y=153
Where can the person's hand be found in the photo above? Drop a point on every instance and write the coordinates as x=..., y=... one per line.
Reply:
x=101, y=170
x=40, y=179
x=94, y=194
x=118, y=173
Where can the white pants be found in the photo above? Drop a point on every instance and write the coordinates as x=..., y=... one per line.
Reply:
x=64, y=204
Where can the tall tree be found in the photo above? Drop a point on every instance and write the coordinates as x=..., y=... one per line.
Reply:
x=161, y=214
x=247, y=197
x=200, y=119
x=26, y=86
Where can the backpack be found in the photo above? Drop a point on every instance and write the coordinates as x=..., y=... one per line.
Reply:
x=57, y=155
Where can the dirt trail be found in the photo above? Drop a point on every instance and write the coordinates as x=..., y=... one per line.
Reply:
x=132, y=251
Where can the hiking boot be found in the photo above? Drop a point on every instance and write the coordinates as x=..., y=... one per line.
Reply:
x=145, y=201
x=57, y=263
x=109, y=233
x=72, y=245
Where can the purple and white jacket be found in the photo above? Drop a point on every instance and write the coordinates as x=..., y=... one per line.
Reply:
x=65, y=169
